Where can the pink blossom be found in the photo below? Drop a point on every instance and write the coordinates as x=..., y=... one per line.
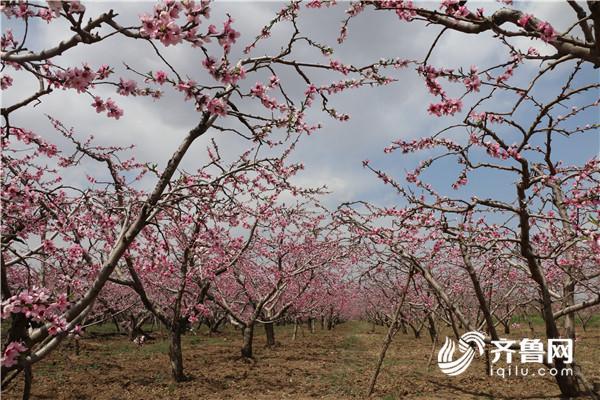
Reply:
x=446, y=107
x=217, y=107
x=77, y=78
x=45, y=14
x=188, y=88
x=5, y=82
x=547, y=32
x=212, y=30
x=11, y=353
x=228, y=36
x=55, y=6
x=75, y=6
x=524, y=20
x=273, y=81
x=127, y=87
x=160, y=77
x=113, y=111
x=104, y=71
x=472, y=83
x=98, y=104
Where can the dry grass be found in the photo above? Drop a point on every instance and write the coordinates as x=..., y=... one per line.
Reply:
x=328, y=365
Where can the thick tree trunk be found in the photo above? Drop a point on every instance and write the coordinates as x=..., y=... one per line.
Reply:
x=248, y=335
x=175, y=355
x=270, y=333
x=322, y=322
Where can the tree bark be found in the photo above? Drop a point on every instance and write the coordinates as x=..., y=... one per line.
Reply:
x=295, y=329
x=28, y=377
x=270, y=333
x=176, y=356
x=431, y=328
x=248, y=335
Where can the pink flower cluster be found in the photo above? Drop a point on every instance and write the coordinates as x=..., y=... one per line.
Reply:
x=12, y=353
x=452, y=7
x=485, y=116
x=79, y=79
x=494, y=150
x=228, y=36
x=127, y=87
x=56, y=6
x=28, y=137
x=5, y=82
x=222, y=72
x=547, y=32
x=461, y=181
x=8, y=40
x=259, y=91
x=36, y=305
x=310, y=93
x=524, y=20
x=111, y=108
x=162, y=23
x=198, y=310
x=445, y=107
x=25, y=10
x=337, y=66
x=217, y=106
x=472, y=82
x=160, y=77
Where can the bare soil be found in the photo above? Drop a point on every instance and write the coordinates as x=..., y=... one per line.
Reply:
x=334, y=364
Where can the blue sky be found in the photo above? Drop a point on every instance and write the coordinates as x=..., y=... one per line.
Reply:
x=333, y=156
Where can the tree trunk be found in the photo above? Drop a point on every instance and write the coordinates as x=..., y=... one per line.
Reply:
x=28, y=377
x=392, y=329
x=312, y=325
x=431, y=328
x=248, y=334
x=322, y=322
x=214, y=327
x=416, y=332
x=175, y=355
x=403, y=327
x=295, y=329
x=569, y=292
x=270, y=333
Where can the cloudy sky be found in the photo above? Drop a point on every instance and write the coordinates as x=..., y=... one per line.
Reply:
x=333, y=156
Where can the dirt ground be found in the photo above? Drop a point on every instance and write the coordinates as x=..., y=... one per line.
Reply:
x=333, y=364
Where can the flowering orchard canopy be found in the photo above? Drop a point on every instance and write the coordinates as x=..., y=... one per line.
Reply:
x=256, y=163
